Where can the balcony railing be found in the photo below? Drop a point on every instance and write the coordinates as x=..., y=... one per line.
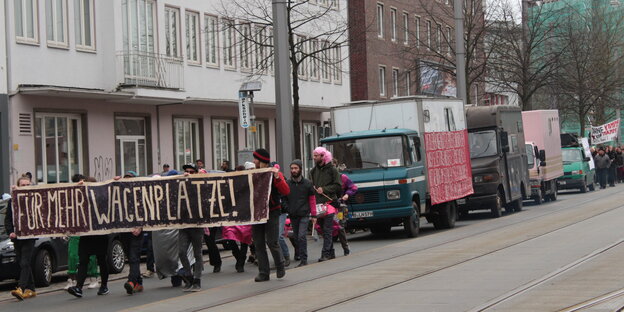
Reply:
x=143, y=69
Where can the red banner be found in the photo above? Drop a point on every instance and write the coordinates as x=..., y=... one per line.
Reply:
x=448, y=165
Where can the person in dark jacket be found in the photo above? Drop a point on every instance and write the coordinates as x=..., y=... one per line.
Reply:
x=298, y=203
x=23, y=252
x=266, y=234
x=603, y=162
x=326, y=181
x=613, y=167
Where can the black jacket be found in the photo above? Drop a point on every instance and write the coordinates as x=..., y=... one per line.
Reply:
x=8, y=219
x=297, y=203
x=328, y=178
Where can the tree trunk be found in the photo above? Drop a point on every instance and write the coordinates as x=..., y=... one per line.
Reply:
x=581, y=122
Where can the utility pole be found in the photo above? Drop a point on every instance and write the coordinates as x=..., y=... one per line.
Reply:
x=285, y=139
x=460, y=51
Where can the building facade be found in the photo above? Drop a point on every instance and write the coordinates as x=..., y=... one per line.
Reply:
x=103, y=87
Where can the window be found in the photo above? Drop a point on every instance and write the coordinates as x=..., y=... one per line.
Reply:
x=300, y=44
x=172, y=32
x=26, y=21
x=56, y=23
x=393, y=34
x=428, y=35
x=187, y=138
x=228, y=44
x=261, y=57
x=259, y=136
x=417, y=31
x=246, y=56
x=408, y=83
x=84, y=17
x=192, y=37
x=449, y=40
x=314, y=68
x=270, y=52
x=131, y=145
x=338, y=65
x=439, y=38
x=395, y=82
x=405, y=28
x=58, y=147
x=212, y=40
x=325, y=59
x=382, y=80
x=139, y=18
x=380, y=21
x=449, y=119
x=310, y=142
x=222, y=141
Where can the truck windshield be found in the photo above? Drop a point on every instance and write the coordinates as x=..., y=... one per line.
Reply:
x=482, y=143
x=530, y=156
x=365, y=153
x=571, y=155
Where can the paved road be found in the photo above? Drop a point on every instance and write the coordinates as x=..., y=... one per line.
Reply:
x=545, y=258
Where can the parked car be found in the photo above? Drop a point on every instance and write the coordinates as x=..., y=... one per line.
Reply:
x=49, y=256
x=577, y=173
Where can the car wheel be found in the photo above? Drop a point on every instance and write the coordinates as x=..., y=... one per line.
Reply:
x=42, y=269
x=412, y=223
x=498, y=205
x=592, y=187
x=584, y=187
x=116, y=257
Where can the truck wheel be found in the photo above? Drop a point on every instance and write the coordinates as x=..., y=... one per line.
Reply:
x=498, y=205
x=584, y=187
x=553, y=195
x=116, y=257
x=514, y=206
x=380, y=229
x=412, y=223
x=42, y=268
x=539, y=199
x=447, y=214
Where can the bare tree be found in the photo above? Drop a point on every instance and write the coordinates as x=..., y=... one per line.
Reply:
x=520, y=60
x=589, y=76
x=317, y=31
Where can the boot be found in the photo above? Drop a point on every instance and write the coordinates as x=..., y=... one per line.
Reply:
x=287, y=261
x=196, y=285
x=281, y=271
x=302, y=263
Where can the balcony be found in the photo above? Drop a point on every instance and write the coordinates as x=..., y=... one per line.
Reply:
x=144, y=69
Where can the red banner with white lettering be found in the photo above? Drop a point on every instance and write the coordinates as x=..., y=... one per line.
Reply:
x=448, y=165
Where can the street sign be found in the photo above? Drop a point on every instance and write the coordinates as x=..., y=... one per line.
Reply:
x=243, y=111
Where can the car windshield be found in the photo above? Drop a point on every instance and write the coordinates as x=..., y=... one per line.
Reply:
x=3, y=234
x=530, y=156
x=368, y=153
x=482, y=143
x=571, y=155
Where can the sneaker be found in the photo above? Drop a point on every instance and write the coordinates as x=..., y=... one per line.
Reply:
x=28, y=293
x=148, y=274
x=302, y=263
x=94, y=283
x=188, y=282
x=70, y=283
x=240, y=268
x=103, y=291
x=129, y=286
x=347, y=252
x=138, y=288
x=77, y=292
x=287, y=261
x=261, y=278
x=323, y=258
x=281, y=272
x=196, y=285
x=216, y=269
x=17, y=293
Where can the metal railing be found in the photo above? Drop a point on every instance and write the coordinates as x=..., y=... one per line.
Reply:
x=144, y=69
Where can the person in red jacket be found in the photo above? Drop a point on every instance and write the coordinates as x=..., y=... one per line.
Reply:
x=266, y=234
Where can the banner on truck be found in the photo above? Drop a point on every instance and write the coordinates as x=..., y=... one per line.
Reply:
x=448, y=165
x=605, y=133
x=200, y=200
x=435, y=81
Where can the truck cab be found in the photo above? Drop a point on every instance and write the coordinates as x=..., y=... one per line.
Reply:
x=388, y=168
x=577, y=173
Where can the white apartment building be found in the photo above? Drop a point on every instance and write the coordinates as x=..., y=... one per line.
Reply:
x=101, y=87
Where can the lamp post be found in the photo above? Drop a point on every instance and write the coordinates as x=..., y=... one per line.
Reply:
x=460, y=51
x=246, y=111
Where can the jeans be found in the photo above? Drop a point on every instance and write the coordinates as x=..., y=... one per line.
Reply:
x=300, y=232
x=23, y=251
x=266, y=235
x=84, y=263
x=134, y=257
x=150, y=252
x=282, y=241
x=187, y=237
x=327, y=224
x=602, y=176
x=611, y=175
x=213, y=250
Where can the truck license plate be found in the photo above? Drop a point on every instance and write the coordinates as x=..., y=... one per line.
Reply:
x=362, y=214
x=562, y=182
x=461, y=201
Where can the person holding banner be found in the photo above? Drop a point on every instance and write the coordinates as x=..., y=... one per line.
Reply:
x=266, y=234
x=23, y=252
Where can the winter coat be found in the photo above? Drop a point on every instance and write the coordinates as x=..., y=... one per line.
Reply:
x=602, y=162
x=279, y=188
x=300, y=199
x=8, y=219
x=327, y=177
x=239, y=233
x=348, y=187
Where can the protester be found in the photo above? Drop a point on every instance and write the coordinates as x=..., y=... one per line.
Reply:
x=214, y=256
x=298, y=203
x=166, y=169
x=193, y=237
x=613, y=167
x=326, y=181
x=199, y=164
x=602, y=162
x=266, y=234
x=349, y=189
x=23, y=251
x=225, y=166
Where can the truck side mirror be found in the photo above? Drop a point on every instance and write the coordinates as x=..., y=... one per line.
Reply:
x=586, y=158
x=504, y=138
x=542, y=155
x=542, y=164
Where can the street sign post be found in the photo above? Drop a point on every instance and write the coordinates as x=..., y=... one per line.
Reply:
x=244, y=110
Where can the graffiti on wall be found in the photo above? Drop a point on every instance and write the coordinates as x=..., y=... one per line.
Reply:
x=102, y=168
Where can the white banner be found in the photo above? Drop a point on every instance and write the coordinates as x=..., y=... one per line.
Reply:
x=605, y=133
